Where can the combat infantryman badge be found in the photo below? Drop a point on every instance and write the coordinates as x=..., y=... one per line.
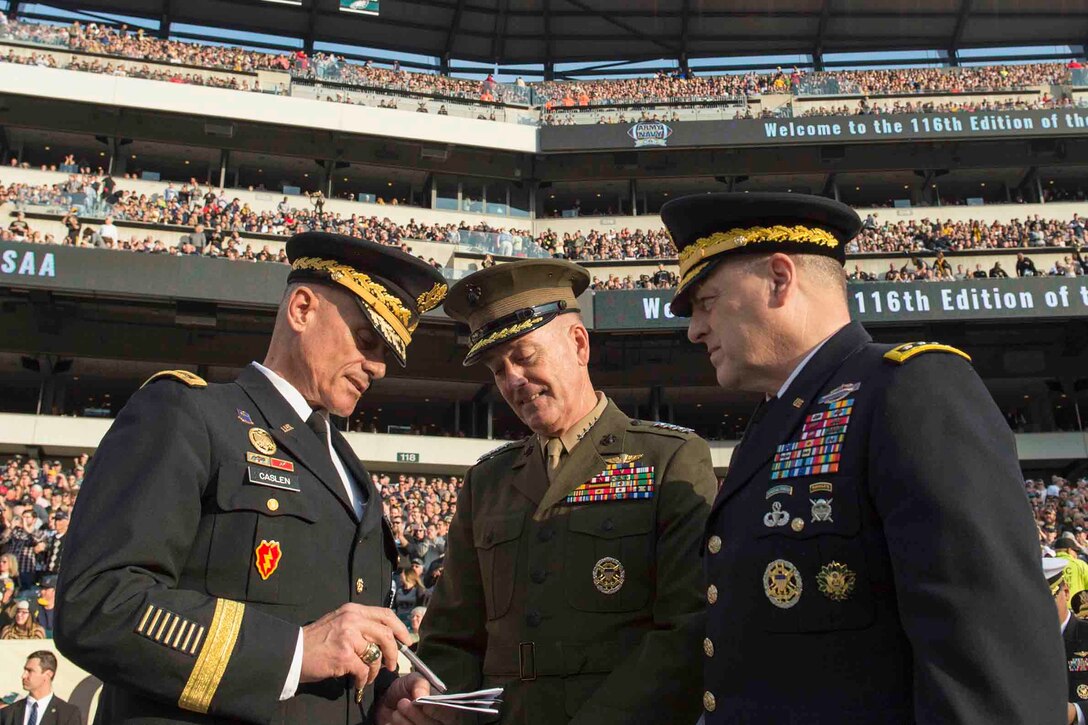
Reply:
x=821, y=510
x=608, y=575
x=836, y=582
x=782, y=583
x=268, y=557
x=262, y=441
x=840, y=393
x=244, y=417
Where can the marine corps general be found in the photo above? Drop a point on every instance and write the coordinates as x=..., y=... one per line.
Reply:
x=572, y=573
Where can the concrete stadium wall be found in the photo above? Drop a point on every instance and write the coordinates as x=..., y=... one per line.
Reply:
x=61, y=436
x=96, y=89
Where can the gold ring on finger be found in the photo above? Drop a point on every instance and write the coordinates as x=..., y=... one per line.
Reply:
x=371, y=654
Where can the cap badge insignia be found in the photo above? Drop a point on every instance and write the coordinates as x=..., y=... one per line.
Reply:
x=821, y=510
x=782, y=583
x=836, y=582
x=244, y=417
x=473, y=293
x=776, y=516
x=262, y=441
x=840, y=393
x=608, y=575
x=268, y=558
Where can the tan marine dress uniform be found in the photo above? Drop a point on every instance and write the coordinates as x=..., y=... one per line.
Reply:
x=577, y=585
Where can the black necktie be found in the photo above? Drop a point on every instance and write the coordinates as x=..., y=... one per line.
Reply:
x=757, y=416
x=33, y=714
x=320, y=427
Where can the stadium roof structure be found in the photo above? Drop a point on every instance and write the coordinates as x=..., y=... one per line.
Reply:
x=549, y=32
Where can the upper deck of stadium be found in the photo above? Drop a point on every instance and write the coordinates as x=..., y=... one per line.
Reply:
x=551, y=33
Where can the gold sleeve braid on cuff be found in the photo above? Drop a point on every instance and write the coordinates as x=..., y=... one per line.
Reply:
x=214, y=656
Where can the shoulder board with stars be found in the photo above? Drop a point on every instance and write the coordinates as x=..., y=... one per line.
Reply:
x=501, y=449
x=183, y=376
x=905, y=352
x=656, y=426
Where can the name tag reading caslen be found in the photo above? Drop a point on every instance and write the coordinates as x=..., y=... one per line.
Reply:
x=275, y=479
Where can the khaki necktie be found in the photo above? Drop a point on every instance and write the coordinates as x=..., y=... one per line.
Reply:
x=554, y=449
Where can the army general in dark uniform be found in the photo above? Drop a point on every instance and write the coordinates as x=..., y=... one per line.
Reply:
x=572, y=575
x=228, y=559
x=875, y=500
x=1074, y=636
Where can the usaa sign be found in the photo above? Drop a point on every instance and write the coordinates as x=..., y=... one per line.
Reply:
x=41, y=264
x=650, y=133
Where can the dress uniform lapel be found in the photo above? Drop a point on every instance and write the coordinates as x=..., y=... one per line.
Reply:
x=587, y=459
x=372, y=514
x=298, y=439
x=783, y=416
x=527, y=472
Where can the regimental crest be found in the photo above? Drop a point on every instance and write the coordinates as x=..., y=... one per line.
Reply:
x=244, y=417
x=840, y=393
x=782, y=583
x=609, y=575
x=269, y=554
x=836, y=582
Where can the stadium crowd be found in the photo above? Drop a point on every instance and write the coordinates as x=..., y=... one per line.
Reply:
x=135, y=44
x=36, y=501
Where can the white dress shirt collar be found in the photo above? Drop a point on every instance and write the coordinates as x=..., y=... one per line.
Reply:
x=289, y=392
x=43, y=705
x=800, y=366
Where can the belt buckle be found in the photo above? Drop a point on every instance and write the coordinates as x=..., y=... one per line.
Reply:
x=527, y=661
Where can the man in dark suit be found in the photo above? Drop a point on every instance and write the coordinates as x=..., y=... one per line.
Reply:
x=228, y=558
x=40, y=706
x=870, y=505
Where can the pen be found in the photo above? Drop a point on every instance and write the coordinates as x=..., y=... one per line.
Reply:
x=418, y=666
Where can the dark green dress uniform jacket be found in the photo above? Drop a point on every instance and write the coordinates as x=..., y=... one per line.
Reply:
x=164, y=595
x=873, y=557
x=519, y=605
x=1075, y=637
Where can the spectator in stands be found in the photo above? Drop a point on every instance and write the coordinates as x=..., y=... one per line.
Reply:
x=1024, y=266
x=108, y=231
x=24, y=540
x=409, y=592
x=24, y=627
x=71, y=223
x=997, y=272
x=45, y=613
x=415, y=618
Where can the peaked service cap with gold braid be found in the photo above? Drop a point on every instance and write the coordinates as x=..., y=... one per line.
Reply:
x=392, y=288
x=708, y=228
x=507, y=301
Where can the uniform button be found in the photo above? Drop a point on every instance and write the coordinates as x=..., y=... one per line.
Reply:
x=360, y=585
x=712, y=593
x=714, y=545
x=798, y=524
x=545, y=534
x=708, y=701
x=708, y=647
x=538, y=575
x=273, y=504
x=608, y=525
x=533, y=618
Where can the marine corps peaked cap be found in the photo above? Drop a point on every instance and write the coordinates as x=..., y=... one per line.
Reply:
x=708, y=228
x=392, y=288
x=508, y=301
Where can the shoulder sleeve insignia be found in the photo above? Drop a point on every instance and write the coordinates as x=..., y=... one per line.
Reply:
x=901, y=354
x=501, y=449
x=191, y=379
